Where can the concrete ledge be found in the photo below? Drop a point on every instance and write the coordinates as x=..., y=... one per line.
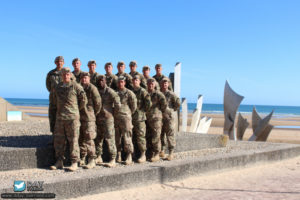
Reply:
x=21, y=152
x=83, y=182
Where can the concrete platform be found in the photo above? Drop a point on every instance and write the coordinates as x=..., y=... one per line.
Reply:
x=71, y=184
x=22, y=152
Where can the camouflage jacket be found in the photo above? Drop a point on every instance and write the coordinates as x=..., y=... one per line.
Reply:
x=110, y=104
x=52, y=80
x=159, y=105
x=173, y=103
x=142, y=78
x=69, y=99
x=143, y=104
x=160, y=78
x=111, y=81
x=93, y=105
x=128, y=103
x=94, y=78
x=77, y=76
x=128, y=80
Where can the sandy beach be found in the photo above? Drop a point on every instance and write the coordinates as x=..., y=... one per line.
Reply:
x=285, y=135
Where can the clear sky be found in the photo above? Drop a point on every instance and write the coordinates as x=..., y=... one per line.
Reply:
x=254, y=44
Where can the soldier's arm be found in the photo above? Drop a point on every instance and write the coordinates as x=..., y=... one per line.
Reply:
x=97, y=101
x=116, y=101
x=81, y=97
x=132, y=102
x=147, y=101
x=48, y=82
x=176, y=102
x=162, y=102
x=54, y=100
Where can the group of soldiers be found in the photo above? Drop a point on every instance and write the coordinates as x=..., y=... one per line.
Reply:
x=125, y=110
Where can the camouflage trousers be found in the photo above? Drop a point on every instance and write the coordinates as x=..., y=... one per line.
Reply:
x=51, y=113
x=139, y=134
x=66, y=129
x=153, y=135
x=106, y=131
x=168, y=133
x=86, y=139
x=123, y=126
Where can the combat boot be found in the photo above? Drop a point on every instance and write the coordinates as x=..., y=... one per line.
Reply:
x=128, y=160
x=142, y=157
x=162, y=154
x=155, y=158
x=99, y=160
x=82, y=161
x=91, y=164
x=170, y=156
x=58, y=165
x=119, y=157
x=112, y=163
x=73, y=167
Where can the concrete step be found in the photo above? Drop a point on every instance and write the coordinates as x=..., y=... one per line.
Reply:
x=21, y=152
x=190, y=163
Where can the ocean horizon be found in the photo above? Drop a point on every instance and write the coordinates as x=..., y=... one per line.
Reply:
x=208, y=108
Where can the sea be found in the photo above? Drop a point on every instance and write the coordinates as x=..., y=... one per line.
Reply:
x=208, y=108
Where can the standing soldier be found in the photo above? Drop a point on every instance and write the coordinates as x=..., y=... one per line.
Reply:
x=87, y=120
x=159, y=76
x=52, y=80
x=105, y=121
x=77, y=72
x=123, y=121
x=111, y=79
x=69, y=98
x=92, y=70
x=133, y=72
x=121, y=72
x=146, y=74
x=154, y=120
x=168, y=128
x=139, y=117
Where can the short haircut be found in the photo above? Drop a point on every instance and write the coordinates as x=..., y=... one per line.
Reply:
x=75, y=60
x=91, y=62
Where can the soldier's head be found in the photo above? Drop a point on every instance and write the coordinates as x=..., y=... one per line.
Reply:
x=151, y=84
x=121, y=82
x=59, y=62
x=66, y=74
x=92, y=66
x=108, y=67
x=158, y=69
x=85, y=78
x=101, y=81
x=121, y=67
x=164, y=84
x=76, y=64
x=133, y=66
x=146, y=71
x=136, y=81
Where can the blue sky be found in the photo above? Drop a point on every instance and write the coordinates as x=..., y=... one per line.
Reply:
x=254, y=44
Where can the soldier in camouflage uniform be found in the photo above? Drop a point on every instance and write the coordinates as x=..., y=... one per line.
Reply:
x=88, y=122
x=69, y=98
x=105, y=121
x=52, y=80
x=92, y=70
x=154, y=120
x=139, y=117
x=77, y=72
x=123, y=120
x=128, y=78
x=159, y=76
x=133, y=73
x=146, y=74
x=111, y=79
x=168, y=128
